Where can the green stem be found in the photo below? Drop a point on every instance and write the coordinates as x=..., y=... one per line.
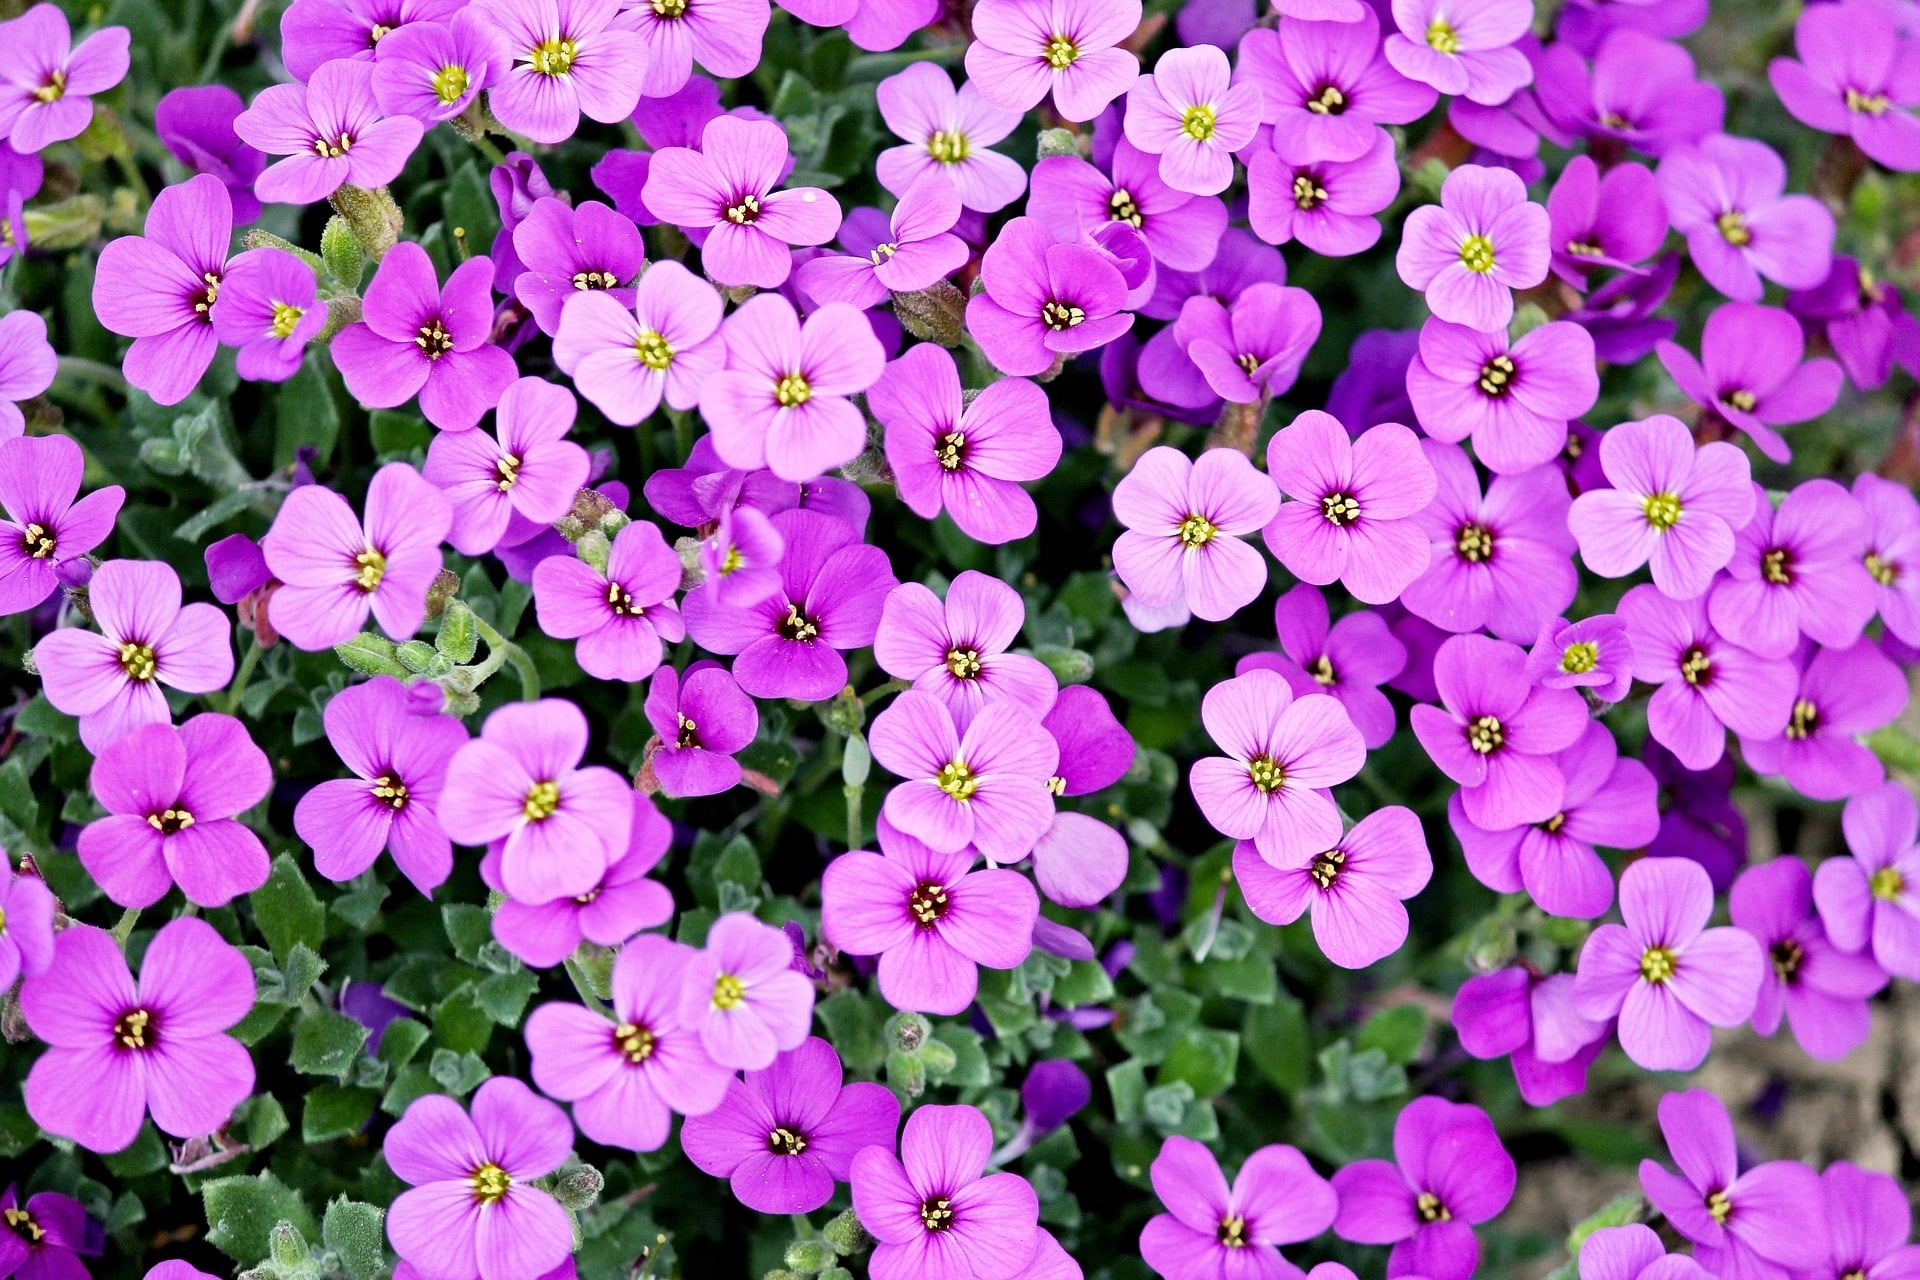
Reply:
x=128, y=918
x=79, y=369
x=238, y=689
x=578, y=977
x=500, y=649
x=886, y=690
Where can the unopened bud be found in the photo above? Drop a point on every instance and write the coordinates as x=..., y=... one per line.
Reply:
x=907, y=1073
x=287, y=1247
x=909, y=1031
x=937, y=313
x=1058, y=142
x=810, y=1257
x=443, y=588
x=341, y=252
x=576, y=1189
x=415, y=655
x=371, y=655
x=590, y=507
x=846, y=1235
x=594, y=548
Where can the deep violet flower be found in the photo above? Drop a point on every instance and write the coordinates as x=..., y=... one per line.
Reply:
x=473, y=1211
x=1189, y=115
x=1818, y=988
x=1353, y=889
x=931, y=918
x=1472, y=250
x=120, y=1050
x=666, y=347
x=725, y=35
x=1513, y=398
x=1750, y=373
x=1594, y=653
x=1348, y=659
x=1181, y=230
x=569, y=251
x=268, y=307
x=1707, y=683
x=112, y=679
x=1531, y=1020
x=1870, y=902
x=334, y=571
x=1240, y=262
x=40, y=476
x=316, y=32
x=434, y=70
x=726, y=188
x=1080, y=860
x=1254, y=351
x=873, y=25
x=742, y=996
x=1025, y=49
x=1327, y=205
x=627, y=1078
x=935, y=1210
x=1641, y=92
x=947, y=131
x=1449, y=1174
x=1352, y=499
x=1615, y=220
x=26, y=926
x=1701, y=822
x=977, y=779
x=787, y=1133
x=1620, y=314
x=1863, y=319
x=331, y=132
x=196, y=125
x=46, y=81
x=621, y=905
x=703, y=720
x=1185, y=523
x=46, y=1237
x=415, y=337
x=399, y=761
x=1211, y=1229
x=1869, y=1219
x=1750, y=1223
x=1724, y=195
x=1892, y=557
x=175, y=271
x=1855, y=77
x=1844, y=695
x=1325, y=86
x=741, y=559
x=1663, y=973
x=1044, y=299
x=967, y=459
x=570, y=58
x=915, y=249
x=1797, y=569
x=956, y=649
x=171, y=797
x=526, y=469
x=1462, y=48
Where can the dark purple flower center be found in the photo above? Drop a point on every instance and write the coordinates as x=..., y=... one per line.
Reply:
x=205, y=294
x=1787, y=956
x=1327, y=100
x=1884, y=571
x=390, y=791
x=950, y=450
x=1719, y=1206
x=1776, y=566
x=797, y=626
x=1309, y=190
x=335, y=147
x=688, y=738
x=1326, y=867
x=1340, y=509
x=1233, y=1232
x=620, y=601
x=38, y=541
x=936, y=1214
x=927, y=903
x=136, y=1029
x=784, y=1141
x=1497, y=375
x=1806, y=719
x=634, y=1042
x=1486, y=735
x=1473, y=543
x=594, y=280
x=1322, y=671
x=1057, y=315
x=1121, y=207
x=1585, y=249
x=1552, y=825
x=1696, y=668
x=744, y=211
x=433, y=339
x=24, y=1226
x=1430, y=1209
x=170, y=822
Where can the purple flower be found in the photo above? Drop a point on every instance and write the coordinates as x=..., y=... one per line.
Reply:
x=1615, y=220
x=1707, y=683
x=236, y=568
x=1594, y=653
x=1514, y=1013
x=331, y=133
x=929, y=916
x=873, y=25
x=1893, y=552
x=703, y=720
x=1482, y=241
x=725, y=35
x=936, y=1212
x=979, y=779
x=175, y=270
x=1181, y=230
x=1797, y=569
x=1283, y=753
x=832, y=590
x=1607, y=801
x=968, y=459
x=1869, y=1220
x=1185, y=522
x=914, y=250
x=1670, y=504
x=1871, y=901
x=1864, y=321
x=334, y=571
x=1819, y=988
x=433, y=71
x=399, y=761
x=46, y=80
x=1750, y=373
x=316, y=32
x=569, y=251
x=1349, y=521
x=741, y=559
x=742, y=996
x=416, y=338
x=1844, y=695
x=622, y=904
x=46, y=1236
x=1620, y=313
x=171, y=797
x=666, y=347
x=627, y=1078
x=119, y=1051
x=1514, y=398
x=196, y=126
x=39, y=478
x=947, y=131
x=748, y=224
x=473, y=1210
x=790, y=1131
x=1641, y=93
x=1189, y=115
x=1633, y=1251
x=1080, y=860
x=531, y=470
x=1023, y=50
x=112, y=678
x=1325, y=86
x=782, y=401
x=1254, y=351
x=521, y=782
x=1497, y=735
x=1855, y=78
x=1373, y=386
x=1044, y=299
x=1503, y=562
x=1353, y=888
x=1211, y=1229
x=570, y=58
x=1239, y=262
x=1327, y=205
x=27, y=367
x=26, y=927
x=957, y=650
x=1462, y=49
x=267, y=307
x=1349, y=659
x=1701, y=821
x=1449, y=1174
x=1723, y=194
x=1744, y=1224
x=1663, y=973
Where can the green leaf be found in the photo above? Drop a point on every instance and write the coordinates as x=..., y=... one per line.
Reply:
x=458, y=1074
x=220, y=510
x=286, y=909
x=398, y=432
x=1396, y=1032
x=242, y=1211
x=400, y=1041
x=1278, y=1044
x=261, y=1120
x=336, y=1111
x=504, y=996
x=461, y=1024
x=854, y=1027
x=1158, y=1020
x=305, y=415
x=1127, y=1085
x=1205, y=1058
x=40, y=719
x=1625, y=1208
x=147, y=1155
x=468, y=927
x=17, y=803
x=469, y=207
x=354, y=1232
x=325, y=1043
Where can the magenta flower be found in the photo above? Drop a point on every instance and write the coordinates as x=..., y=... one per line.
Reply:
x=1327, y=205
x=1503, y=561
x=1663, y=973
x=915, y=249
x=1670, y=504
x=1185, y=522
x=1254, y=351
x=171, y=797
x=40, y=477
x=120, y=1051
x=1182, y=231
x=399, y=761
x=742, y=996
x=667, y=347
x=1870, y=902
x=1844, y=695
x=1480, y=243
x=1611, y=221
x=1750, y=373
x=1353, y=888
x=967, y=459
x=1023, y=50
x=1325, y=86
x=1641, y=93
x=1514, y=398
x=703, y=720
x=1631, y=1252
x=531, y=470
x=566, y=251
x=1349, y=659
x=331, y=132
x=1892, y=557
x=1707, y=684
x=1462, y=48
x=196, y=125
x=832, y=590
x=316, y=32
x=726, y=188
x=26, y=927
x=1724, y=195
x=1869, y=1219
x=268, y=307
x=789, y=1132
x=1497, y=735
x=570, y=58
x=930, y=918
x=1044, y=299
x=1212, y=1229
x=1449, y=1174
x=725, y=35
x=1080, y=860
x=435, y=70
x=112, y=678
x=627, y=1078
x=27, y=367
x=935, y=1211
x=1348, y=521
x=521, y=782
x=1513, y=1013
x=159, y=289
x=1283, y=753
x=741, y=559
x=1863, y=318
x=622, y=904
x=1854, y=78
x=782, y=401
x=1594, y=653
x=46, y=81
x=473, y=1211
x=1189, y=115
x=957, y=650
x=947, y=131
x=1746, y=1224
x=1797, y=569
x=1820, y=989
x=416, y=338
x=334, y=571
x=47, y=1236
x=978, y=779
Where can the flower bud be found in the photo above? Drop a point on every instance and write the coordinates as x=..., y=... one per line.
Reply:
x=1058, y=142
x=577, y=1188
x=341, y=252
x=810, y=1257
x=440, y=591
x=75, y=573
x=909, y=1031
x=846, y=1235
x=371, y=655
x=415, y=655
x=458, y=638
x=594, y=548
x=937, y=313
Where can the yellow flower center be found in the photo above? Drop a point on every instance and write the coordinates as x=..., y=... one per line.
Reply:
x=1695, y=666
x=1198, y=122
x=543, y=798
x=634, y=1042
x=335, y=147
x=1496, y=375
x=670, y=8
x=506, y=470
x=957, y=780
x=1787, y=956
x=1328, y=102
x=948, y=146
x=372, y=568
x=135, y=1029
x=1322, y=671
x=137, y=660
x=652, y=350
x=1441, y=37
x=689, y=735
x=449, y=83
x=1806, y=718
x=792, y=391
x=554, y=57
x=584, y=280
x=1326, y=867
x=1657, y=964
x=1869, y=104
x=1485, y=735
x=1733, y=228
x=927, y=903
x=1777, y=566
x=1233, y=1232
x=55, y=87
x=796, y=626
x=1121, y=208
x=1268, y=774
x=1307, y=191
x=620, y=602
x=390, y=791
x=1719, y=1206
x=950, y=450
x=1430, y=1208
x=38, y=541
x=286, y=318
x=434, y=340
x=1580, y=657
x=1884, y=571
x=1197, y=531
x=24, y=1226
x=785, y=1142
x=490, y=1183
x=964, y=663
x=882, y=253
x=1663, y=510
x=1743, y=400
x=1887, y=884
x=1552, y=825
x=1340, y=508
x=1474, y=543
x=1476, y=254
x=170, y=822
x=728, y=992
x=1060, y=52
x=1061, y=315
x=208, y=295
x=745, y=212
x=1581, y=249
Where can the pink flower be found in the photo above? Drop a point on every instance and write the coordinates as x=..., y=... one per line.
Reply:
x=622, y=904
x=570, y=58
x=620, y=616
x=1209, y=1228
x=1025, y=49
x=1463, y=46
x=1354, y=888
x=936, y=1212
x=742, y=996
x=1350, y=518
x=947, y=131
x=666, y=347
x=1482, y=241
x=1185, y=522
x=980, y=781
x=1190, y=115
x=956, y=650
x=531, y=470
